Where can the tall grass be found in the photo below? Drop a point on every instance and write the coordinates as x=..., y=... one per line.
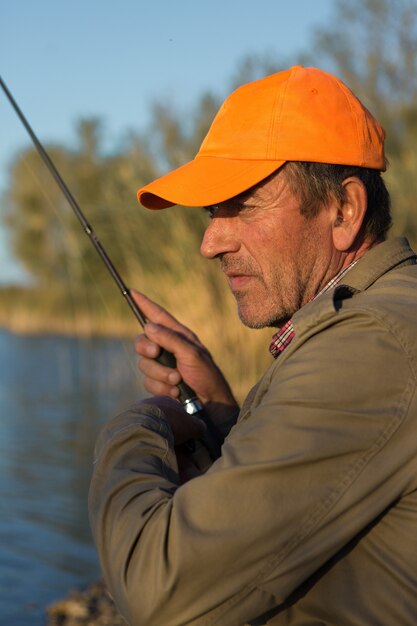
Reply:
x=175, y=275
x=156, y=252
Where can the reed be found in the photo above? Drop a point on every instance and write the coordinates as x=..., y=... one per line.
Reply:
x=193, y=290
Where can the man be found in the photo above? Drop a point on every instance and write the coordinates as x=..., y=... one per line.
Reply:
x=309, y=516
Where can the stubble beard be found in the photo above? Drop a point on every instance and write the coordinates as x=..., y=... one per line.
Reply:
x=266, y=311
x=270, y=302
x=271, y=305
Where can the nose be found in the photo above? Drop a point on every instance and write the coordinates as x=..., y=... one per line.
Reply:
x=219, y=238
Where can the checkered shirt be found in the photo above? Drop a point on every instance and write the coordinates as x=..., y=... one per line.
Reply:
x=286, y=333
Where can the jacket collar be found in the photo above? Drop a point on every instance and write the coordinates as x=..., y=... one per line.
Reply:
x=378, y=261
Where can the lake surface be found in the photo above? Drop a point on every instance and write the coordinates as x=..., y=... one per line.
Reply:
x=55, y=393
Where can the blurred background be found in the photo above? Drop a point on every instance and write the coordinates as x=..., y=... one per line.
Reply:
x=118, y=95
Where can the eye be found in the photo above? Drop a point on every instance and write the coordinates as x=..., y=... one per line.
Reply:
x=231, y=208
x=211, y=210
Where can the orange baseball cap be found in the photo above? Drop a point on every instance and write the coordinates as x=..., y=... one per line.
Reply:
x=301, y=114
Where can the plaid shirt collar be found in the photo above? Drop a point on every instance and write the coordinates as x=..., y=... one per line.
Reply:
x=286, y=333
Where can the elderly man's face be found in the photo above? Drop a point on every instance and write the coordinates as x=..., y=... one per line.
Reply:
x=275, y=259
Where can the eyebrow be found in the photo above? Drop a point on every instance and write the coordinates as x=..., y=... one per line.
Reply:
x=238, y=200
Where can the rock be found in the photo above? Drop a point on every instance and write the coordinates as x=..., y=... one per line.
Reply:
x=92, y=606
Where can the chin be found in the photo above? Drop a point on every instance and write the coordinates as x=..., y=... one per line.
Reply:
x=257, y=321
x=253, y=318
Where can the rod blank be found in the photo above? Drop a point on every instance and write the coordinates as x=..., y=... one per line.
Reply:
x=187, y=396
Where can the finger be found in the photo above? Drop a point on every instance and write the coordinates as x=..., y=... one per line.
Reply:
x=153, y=311
x=159, y=379
x=183, y=425
x=173, y=342
x=159, y=388
x=146, y=348
x=157, y=314
x=166, y=404
x=152, y=369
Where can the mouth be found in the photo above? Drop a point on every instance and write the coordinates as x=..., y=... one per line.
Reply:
x=238, y=271
x=238, y=281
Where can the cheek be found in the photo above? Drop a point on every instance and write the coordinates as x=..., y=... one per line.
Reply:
x=292, y=255
x=278, y=252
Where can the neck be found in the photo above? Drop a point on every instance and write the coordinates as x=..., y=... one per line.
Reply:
x=356, y=252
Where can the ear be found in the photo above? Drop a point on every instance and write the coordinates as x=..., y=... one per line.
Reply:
x=350, y=215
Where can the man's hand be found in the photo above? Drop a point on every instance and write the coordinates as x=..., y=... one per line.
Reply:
x=185, y=428
x=195, y=365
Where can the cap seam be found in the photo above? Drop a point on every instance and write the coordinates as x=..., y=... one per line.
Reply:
x=275, y=119
x=312, y=157
x=344, y=89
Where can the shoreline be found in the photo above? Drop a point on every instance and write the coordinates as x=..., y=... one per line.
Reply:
x=91, y=606
x=83, y=327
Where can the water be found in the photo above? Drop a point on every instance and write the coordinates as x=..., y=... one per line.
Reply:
x=55, y=393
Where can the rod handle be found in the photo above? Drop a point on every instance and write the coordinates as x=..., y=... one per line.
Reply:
x=193, y=406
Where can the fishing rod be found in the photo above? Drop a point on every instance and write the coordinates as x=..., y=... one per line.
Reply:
x=187, y=396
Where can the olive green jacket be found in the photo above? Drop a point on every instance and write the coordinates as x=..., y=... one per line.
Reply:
x=309, y=517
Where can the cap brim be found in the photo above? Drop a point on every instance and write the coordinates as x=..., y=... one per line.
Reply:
x=205, y=181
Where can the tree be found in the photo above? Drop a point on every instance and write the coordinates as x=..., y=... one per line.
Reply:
x=33, y=206
x=45, y=233
x=372, y=46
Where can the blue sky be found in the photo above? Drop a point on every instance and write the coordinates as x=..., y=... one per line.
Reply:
x=67, y=59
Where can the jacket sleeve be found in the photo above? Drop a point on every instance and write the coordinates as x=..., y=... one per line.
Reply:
x=322, y=450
